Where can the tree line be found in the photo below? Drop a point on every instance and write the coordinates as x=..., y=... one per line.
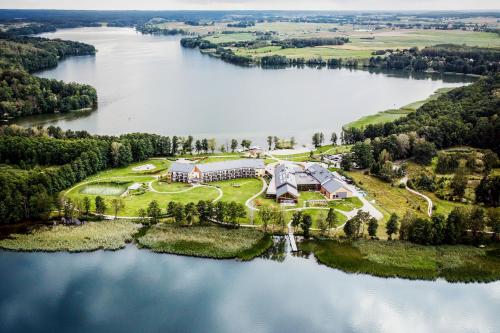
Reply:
x=441, y=58
x=23, y=94
x=41, y=162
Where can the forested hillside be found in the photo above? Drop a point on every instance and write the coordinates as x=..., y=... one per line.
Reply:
x=468, y=115
x=37, y=163
x=24, y=94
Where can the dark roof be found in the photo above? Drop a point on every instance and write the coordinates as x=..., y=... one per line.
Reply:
x=283, y=175
x=303, y=178
x=332, y=185
x=283, y=189
x=321, y=174
x=232, y=164
x=181, y=167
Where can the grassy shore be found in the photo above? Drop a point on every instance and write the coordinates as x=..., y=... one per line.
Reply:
x=206, y=241
x=393, y=114
x=108, y=235
x=400, y=259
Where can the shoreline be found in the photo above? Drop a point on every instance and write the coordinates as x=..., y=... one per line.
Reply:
x=379, y=258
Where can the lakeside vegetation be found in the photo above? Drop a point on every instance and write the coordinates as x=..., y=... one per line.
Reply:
x=108, y=235
x=206, y=241
x=406, y=260
x=394, y=114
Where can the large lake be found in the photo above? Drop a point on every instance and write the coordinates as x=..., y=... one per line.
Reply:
x=151, y=84
x=148, y=83
x=135, y=290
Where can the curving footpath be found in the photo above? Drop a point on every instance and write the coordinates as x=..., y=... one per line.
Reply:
x=429, y=201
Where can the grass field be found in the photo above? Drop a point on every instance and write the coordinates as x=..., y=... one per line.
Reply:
x=406, y=260
x=113, y=189
x=108, y=235
x=206, y=241
x=169, y=187
x=135, y=202
x=393, y=114
x=229, y=38
x=390, y=199
x=239, y=190
x=111, y=183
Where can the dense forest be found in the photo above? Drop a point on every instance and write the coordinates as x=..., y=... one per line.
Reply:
x=38, y=163
x=24, y=94
x=468, y=115
x=441, y=58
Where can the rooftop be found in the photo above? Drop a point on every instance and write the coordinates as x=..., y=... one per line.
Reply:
x=218, y=166
x=181, y=167
x=231, y=164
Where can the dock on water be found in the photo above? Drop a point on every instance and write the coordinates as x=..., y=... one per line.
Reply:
x=291, y=238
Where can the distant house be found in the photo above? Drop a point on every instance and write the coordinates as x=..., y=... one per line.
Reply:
x=211, y=172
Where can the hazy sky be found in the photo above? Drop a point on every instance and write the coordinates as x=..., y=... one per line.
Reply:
x=255, y=4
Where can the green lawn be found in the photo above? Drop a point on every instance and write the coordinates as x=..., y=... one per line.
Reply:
x=239, y=190
x=230, y=38
x=106, y=235
x=169, y=187
x=391, y=199
x=325, y=52
x=346, y=205
x=206, y=241
x=407, y=260
x=160, y=164
x=135, y=202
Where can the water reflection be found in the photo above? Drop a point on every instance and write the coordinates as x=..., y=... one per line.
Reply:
x=139, y=291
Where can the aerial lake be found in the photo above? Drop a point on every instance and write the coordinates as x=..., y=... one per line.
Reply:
x=151, y=84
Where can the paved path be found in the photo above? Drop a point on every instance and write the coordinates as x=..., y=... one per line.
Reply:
x=429, y=201
x=248, y=203
x=291, y=238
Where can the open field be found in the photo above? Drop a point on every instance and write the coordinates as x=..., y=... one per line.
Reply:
x=346, y=205
x=233, y=37
x=110, y=184
x=362, y=43
x=390, y=199
x=393, y=114
x=108, y=235
x=206, y=241
x=238, y=190
x=325, y=52
x=169, y=187
x=406, y=260
x=134, y=202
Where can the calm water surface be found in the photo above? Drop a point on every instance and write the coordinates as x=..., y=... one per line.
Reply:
x=138, y=291
x=150, y=84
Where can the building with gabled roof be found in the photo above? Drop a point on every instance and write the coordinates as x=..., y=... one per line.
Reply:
x=216, y=171
x=286, y=185
x=288, y=181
